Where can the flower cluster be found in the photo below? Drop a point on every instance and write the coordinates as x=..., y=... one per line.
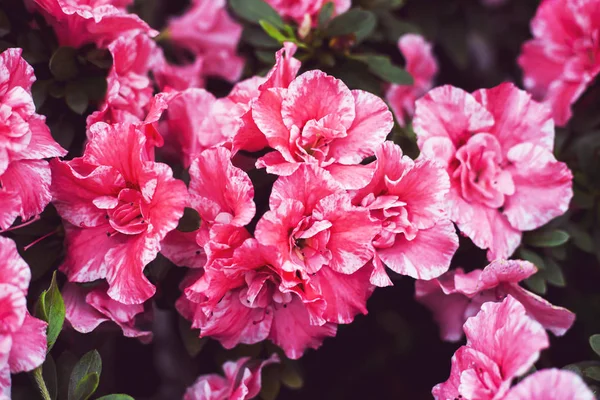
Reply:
x=303, y=202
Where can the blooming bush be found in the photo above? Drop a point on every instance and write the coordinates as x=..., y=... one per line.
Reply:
x=237, y=199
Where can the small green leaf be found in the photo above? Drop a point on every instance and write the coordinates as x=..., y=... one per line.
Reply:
x=86, y=387
x=595, y=343
x=255, y=10
x=366, y=28
x=270, y=383
x=536, y=283
x=592, y=372
x=190, y=338
x=581, y=239
x=63, y=63
x=116, y=397
x=257, y=37
x=291, y=376
x=350, y=22
x=39, y=92
x=325, y=14
x=190, y=221
x=382, y=67
x=51, y=308
x=272, y=31
x=547, y=238
x=76, y=98
x=82, y=378
x=553, y=273
x=532, y=257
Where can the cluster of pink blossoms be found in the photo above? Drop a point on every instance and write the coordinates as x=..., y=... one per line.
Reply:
x=345, y=203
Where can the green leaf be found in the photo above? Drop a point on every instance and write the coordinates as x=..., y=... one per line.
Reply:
x=382, y=67
x=86, y=387
x=257, y=37
x=547, y=238
x=367, y=28
x=270, y=383
x=76, y=98
x=532, y=257
x=291, y=376
x=63, y=63
x=256, y=10
x=272, y=31
x=116, y=397
x=190, y=338
x=190, y=221
x=325, y=14
x=553, y=273
x=353, y=21
x=85, y=376
x=39, y=92
x=581, y=239
x=51, y=308
x=592, y=372
x=595, y=343
x=536, y=283
x=267, y=57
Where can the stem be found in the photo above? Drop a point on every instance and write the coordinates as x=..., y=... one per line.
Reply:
x=39, y=380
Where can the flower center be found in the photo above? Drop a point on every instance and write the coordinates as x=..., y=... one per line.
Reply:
x=316, y=136
x=308, y=244
x=481, y=171
x=126, y=213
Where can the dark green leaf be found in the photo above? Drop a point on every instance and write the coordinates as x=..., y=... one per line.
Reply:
x=325, y=14
x=258, y=38
x=190, y=338
x=34, y=49
x=350, y=22
x=86, y=387
x=101, y=58
x=536, y=283
x=291, y=375
x=595, y=343
x=553, y=273
x=51, y=308
x=63, y=63
x=382, y=67
x=272, y=31
x=546, y=238
x=581, y=239
x=267, y=57
x=76, y=98
x=4, y=24
x=255, y=10
x=395, y=28
x=94, y=87
x=592, y=372
x=50, y=377
x=190, y=221
x=532, y=257
x=56, y=89
x=366, y=28
x=116, y=397
x=39, y=92
x=82, y=376
x=270, y=383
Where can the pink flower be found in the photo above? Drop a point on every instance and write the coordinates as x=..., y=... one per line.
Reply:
x=129, y=89
x=456, y=296
x=496, y=145
x=502, y=344
x=551, y=384
x=209, y=32
x=88, y=308
x=563, y=58
x=297, y=10
x=25, y=141
x=223, y=196
x=22, y=337
x=77, y=22
x=318, y=120
x=314, y=225
x=422, y=65
x=178, y=77
x=242, y=381
x=408, y=197
x=117, y=205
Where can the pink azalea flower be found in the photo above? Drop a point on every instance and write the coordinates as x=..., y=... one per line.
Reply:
x=177, y=77
x=129, y=89
x=318, y=120
x=209, y=32
x=551, y=384
x=408, y=197
x=298, y=10
x=22, y=337
x=313, y=224
x=88, y=308
x=422, y=65
x=25, y=141
x=117, y=205
x=563, y=58
x=77, y=22
x=242, y=381
x=496, y=145
x=456, y=296
x=223, y=196
x=502, y=344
